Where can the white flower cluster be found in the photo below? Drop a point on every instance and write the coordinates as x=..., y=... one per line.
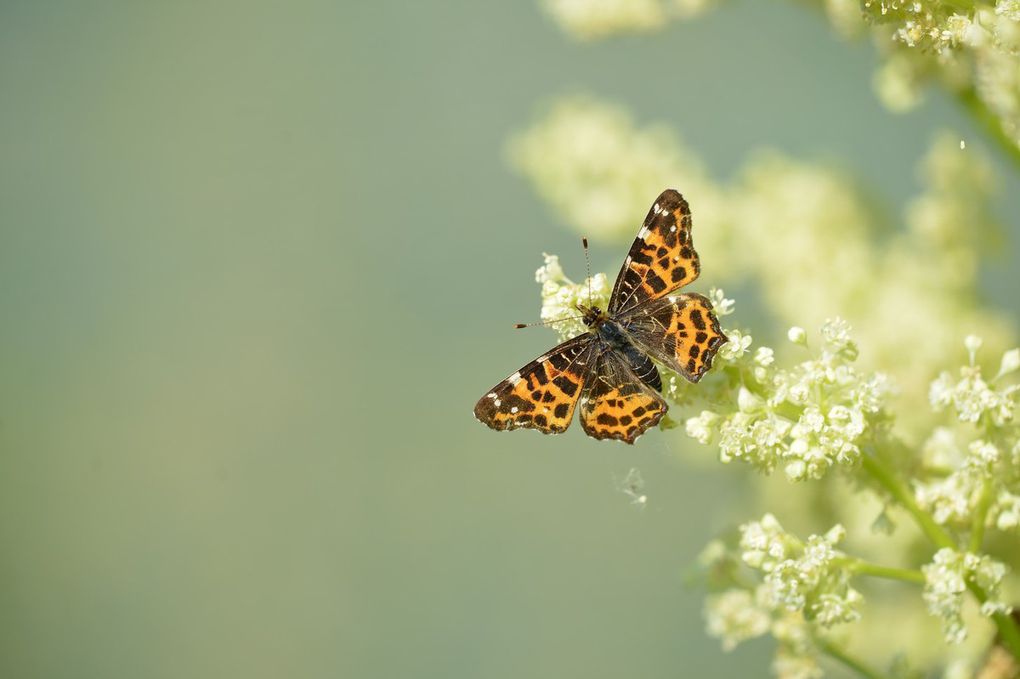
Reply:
x=590, y=19
x=802, y=584
x=560, y=297
x=946, y=579
x=810, y=578
x=987, y=476
x=968, y=47
x=735, y=616
x=739, y=614
x=971, y=397
x=806, y=419
x=953, y=499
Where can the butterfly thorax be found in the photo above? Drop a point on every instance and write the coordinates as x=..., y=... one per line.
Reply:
x=613, y=337
x=604, y=327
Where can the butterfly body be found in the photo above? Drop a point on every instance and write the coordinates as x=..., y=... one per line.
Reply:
x=613, y=337
x=608, y=373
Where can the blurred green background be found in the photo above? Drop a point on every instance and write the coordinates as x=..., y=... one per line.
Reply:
x=258, y=260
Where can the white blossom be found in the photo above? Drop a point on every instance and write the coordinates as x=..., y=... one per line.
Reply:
x=720, y=303
x=764, y=543
x=1007, y=511
x=560, y=297
x=1011, y=359
x=703, y=427
x=946, y=582
x=735, y=616
x=1009, y=9
x=810, y=577
x=971, y=397
x=736, y=347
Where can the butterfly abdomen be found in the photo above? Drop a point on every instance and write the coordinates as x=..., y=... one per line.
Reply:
x=614, y=337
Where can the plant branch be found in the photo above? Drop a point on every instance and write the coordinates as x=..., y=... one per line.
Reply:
x=886, y=477
x=977, y=526
x=1009, y=633
x=889, y=572
x=847, y=660
x=989, y=122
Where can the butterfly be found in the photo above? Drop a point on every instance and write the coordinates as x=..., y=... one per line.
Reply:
x=609, y=373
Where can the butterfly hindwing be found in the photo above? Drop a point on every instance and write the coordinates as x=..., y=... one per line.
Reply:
x=680, y=331
x=542, y=394
x=662, y=257
x=615, y=404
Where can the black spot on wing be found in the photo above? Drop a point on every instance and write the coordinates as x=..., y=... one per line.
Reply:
x=655, y=283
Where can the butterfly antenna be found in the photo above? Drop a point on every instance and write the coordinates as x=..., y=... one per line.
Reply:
x=518, y=326
x=587, y=264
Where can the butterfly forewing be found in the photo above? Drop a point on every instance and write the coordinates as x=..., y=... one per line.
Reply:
x=662, y=257
x=680, y=331
x=615, y=404
x=542, y=394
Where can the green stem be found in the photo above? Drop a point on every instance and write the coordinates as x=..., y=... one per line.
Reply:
x=1009, y=633
x=888, y=572
x=886, y=478
x=977, y=526
x=849, y=661
x=989, y=122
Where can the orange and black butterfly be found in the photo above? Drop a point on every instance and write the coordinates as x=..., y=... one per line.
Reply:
x=610, y=370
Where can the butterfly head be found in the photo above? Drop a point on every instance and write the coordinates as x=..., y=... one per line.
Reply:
x=592, y=315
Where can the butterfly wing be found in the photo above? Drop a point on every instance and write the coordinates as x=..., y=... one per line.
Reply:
x=662, y=257
x=615, y=404
x=680, y=331
x=542, y=394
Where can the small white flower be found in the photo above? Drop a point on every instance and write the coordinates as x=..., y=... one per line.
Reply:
x=560, y=297
x=971, y=397
x=983, y=457
x=973, y=343
x=941, y=452
x=721, y=305
x=1007, y=511
x=1010, y=359
x=713, y=554
x=550, y=270
x=590, y=19
x=949, y=500
x=797, y=335
x=736, y=347
x=946, y=582
x=796, y=470
x=940, y=393
x=748, y=402
x=764, y=543
x=836, y=336
x=1009, y=9
x=764, y=357
x=703, y=427
x=735, y=616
